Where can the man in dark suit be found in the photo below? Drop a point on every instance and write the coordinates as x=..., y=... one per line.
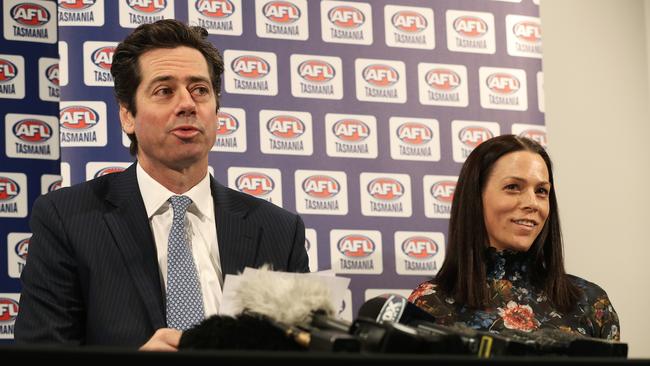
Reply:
x=103, y=265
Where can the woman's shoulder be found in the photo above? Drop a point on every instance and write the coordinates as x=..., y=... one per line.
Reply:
x=590, y=290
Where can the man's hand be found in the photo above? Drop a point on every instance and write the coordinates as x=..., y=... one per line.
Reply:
x=165, y=339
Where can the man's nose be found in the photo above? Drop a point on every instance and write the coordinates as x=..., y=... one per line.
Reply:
x=186, y=105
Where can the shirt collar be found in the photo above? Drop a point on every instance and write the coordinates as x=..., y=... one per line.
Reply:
x=156, y=196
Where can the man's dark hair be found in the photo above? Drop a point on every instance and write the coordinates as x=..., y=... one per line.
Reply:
x=463, y=274
x=167, y=33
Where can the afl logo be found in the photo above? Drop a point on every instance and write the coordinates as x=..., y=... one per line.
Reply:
x=443, y=191
x=282, y=12
x=379, y=75
x=321, y=186
x=503, y=83
x=9, y=189
x=8, y=70
x=103, y=57
x=250, y=67
x=57, y=184
x=21, y=249
x=32, y=130
x=52, y=74
x=385, y=189
x=8, y=309
x=108, y=170
x=470, y=26
x=316, y=71
x=442, y=79
x=356, y=246
x=217, y=9
x=255, y=184
x=419, y=247
x=78, y=117
x=409, y=21
x=535, y=135
x=285, y=127
x=227, y=124
x=76, y=4
x=147, y=6
x=347, y=17
x=30, y=14
x=351, y=130
x=472, y=136
x=530, y=32
x=414, y=133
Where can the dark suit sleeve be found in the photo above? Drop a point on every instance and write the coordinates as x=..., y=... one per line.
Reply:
x=298, y=260
x=51, y=305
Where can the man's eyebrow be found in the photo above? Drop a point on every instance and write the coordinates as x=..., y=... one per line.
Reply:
x=191, y=79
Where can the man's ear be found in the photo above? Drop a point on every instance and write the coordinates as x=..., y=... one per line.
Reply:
x=127, y=120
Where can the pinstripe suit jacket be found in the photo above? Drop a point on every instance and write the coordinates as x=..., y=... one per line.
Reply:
x=92, y=273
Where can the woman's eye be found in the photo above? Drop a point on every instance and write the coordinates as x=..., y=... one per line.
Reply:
x=511, y=187
x=542, y=191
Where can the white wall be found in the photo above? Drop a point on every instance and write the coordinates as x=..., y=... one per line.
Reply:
x=596, y=87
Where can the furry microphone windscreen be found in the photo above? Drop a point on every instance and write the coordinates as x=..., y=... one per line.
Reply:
x=287, y=298
x=245, y=332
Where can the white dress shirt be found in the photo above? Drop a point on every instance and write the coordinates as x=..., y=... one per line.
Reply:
x=202, y=233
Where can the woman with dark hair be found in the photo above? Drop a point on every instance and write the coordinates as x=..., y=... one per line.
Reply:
x=504, y=267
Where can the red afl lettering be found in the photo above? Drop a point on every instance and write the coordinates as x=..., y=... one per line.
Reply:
x=356, y=246
x=442, y=79
x=385, y=189
x=103, y=57
x=347, y=17
x=528, y=31
x=282, y=12
x=285, y=127
x=148, y=6
x=321, y=186
x=30, y=14
x=8, y=309
x=351, y=130
x=503, y=83
x=470, y=26
x=316, y=71
x=419, y=247
x=227, y=124
x=76, y=4
x=9, y=189
x=32, y=130
x=250, y=67
x=8, y=70
x=472, y=136
x=443, y=191
x=217, y=9
x=409, y=21
x=78, y=117
x=380, y=75
x=414, y=133
x=255, y=184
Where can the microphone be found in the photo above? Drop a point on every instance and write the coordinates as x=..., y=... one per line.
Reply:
x=276, y=311
x=394, y=308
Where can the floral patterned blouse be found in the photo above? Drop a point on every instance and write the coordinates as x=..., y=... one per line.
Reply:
x=517, y=304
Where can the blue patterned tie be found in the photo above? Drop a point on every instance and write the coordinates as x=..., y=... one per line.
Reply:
x=184, y=300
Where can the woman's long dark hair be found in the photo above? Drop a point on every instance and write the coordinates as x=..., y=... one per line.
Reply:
x=463, y=273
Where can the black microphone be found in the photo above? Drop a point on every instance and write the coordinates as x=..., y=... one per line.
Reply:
x=393, y=308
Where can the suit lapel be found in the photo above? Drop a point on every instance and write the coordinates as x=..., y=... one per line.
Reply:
x=238, y=239
x=130, y=228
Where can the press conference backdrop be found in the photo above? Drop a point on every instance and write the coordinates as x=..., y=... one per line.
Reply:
x=356, y=115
